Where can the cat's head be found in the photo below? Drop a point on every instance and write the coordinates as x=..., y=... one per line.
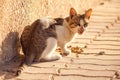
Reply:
x=77, y=22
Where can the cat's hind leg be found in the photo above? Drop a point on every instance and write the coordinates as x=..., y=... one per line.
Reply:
x=48, y=54
x=29, y=58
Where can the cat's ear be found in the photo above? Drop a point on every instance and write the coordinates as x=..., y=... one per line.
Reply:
x=88, y=13
x=72, y=12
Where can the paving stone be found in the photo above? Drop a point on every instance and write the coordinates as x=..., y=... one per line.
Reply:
x=108, y=10
x=94, y=30
x=63, y=72
x=94, y=61
x=49, y=65
x=77, y=66
x=99, y=46
x=86, y=37
x=100, y=13
x=32, y=76
x=101, y=21
x=106, y=42
x=111, y=35
x=118, y=21
x=114, y=27
x=39, y=70
x=79, y=78
x=117, y=25
x=94, y=50
x=83, y=55
x=112, y=31
x=91, y=34
x=115, y=79
x=98, y=24
x=108, y=38
x=99, y=67
x=115, y=1
x=104, y=17
x=84, y=41
x=96, y=27
x=88, y=73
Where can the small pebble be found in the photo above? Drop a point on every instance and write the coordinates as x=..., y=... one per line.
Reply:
x=66, y=66
x=71, y=60
x=53, y=65
x=58, y=70
x=107, y=27
x=101, y=53
x=117, y=74
x=102, y=3
x=85, y=46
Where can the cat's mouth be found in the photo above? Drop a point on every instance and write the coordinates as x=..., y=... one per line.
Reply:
x=81, y=30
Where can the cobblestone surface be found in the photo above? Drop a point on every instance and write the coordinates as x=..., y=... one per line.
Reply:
x=102, y=35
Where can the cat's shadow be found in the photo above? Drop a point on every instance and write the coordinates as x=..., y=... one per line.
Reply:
x=8, y=70
x=9, y=46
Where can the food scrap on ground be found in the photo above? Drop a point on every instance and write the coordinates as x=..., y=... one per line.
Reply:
x=75, y=49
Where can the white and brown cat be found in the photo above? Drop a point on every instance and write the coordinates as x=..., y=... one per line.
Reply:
x=40, y=39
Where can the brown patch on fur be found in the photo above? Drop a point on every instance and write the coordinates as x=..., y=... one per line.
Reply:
x=59, y=21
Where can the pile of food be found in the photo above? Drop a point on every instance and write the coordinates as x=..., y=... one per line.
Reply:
x=75, y=49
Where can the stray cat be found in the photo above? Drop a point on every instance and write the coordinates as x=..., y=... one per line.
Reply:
x=39, y=41
x=67, y=28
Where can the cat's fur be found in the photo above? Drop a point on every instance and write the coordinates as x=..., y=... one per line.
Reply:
x=39, y=41
x=67, y=28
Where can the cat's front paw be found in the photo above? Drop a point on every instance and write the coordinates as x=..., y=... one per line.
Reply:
x=66, y=52
x=56, y=56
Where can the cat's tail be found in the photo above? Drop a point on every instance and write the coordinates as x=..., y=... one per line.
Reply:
x=27, y=61
x=20, y=67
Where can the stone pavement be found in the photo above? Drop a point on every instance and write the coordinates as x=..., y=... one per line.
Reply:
x=100, y=59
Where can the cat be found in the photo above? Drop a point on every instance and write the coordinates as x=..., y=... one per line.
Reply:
x=66, y=28
x=38, y=41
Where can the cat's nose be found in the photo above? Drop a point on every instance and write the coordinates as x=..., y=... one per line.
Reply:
x=81, y=30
